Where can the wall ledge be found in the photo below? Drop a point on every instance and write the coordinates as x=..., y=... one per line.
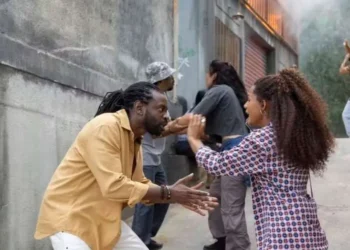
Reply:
x=16, y=54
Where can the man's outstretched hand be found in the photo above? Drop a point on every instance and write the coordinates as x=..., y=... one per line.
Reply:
x=192, y=198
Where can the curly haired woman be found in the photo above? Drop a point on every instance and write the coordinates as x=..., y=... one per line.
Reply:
x=293, y=139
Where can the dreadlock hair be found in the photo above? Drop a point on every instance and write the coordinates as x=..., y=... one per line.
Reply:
x=226, y=74
x=299, y=118
x=117, y=100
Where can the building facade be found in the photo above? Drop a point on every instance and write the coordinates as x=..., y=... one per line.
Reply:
x=258, y=37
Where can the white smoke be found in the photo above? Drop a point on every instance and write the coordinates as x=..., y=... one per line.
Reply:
x=301, y=8
x=306, y=11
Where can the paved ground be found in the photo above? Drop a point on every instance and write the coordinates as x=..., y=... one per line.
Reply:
x=186, y=230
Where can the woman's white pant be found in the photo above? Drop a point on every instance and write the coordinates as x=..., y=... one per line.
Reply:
x=128, y=241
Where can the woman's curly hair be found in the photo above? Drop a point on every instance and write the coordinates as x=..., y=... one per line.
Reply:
x=299, y=118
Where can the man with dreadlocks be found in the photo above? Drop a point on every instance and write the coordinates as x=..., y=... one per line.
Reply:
x=102, y=173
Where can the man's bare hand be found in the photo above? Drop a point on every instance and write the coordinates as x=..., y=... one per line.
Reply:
x=192, y=198
x=209, y=206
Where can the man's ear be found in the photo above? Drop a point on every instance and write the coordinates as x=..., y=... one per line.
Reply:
x=140, y=108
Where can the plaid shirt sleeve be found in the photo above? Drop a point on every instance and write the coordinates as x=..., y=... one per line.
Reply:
x=248, y=157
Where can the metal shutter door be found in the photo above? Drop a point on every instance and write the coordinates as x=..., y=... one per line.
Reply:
x=255, y=62
x=228, y=46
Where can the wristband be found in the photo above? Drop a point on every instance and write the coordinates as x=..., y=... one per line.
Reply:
x=168, y=193
x=162, y=192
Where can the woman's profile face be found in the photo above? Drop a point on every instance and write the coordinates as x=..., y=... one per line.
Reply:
x=254, y=110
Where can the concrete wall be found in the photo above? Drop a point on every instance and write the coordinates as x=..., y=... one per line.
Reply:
x=39, y=121
x=196, y=45
x=57, y=58
x=104, y=44
x=285, y=58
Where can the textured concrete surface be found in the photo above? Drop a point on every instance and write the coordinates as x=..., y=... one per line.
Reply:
x=102, y=45
x=39, y=121
x=186, y=230
x=332, y=192
x=57, y=58
x=196, y=45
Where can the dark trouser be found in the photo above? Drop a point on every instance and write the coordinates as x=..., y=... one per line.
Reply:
x=228, y=220
x=148, y=219
x=182, y=147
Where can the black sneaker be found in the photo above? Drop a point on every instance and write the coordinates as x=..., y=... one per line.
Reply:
x=154, y=245
x=218, y=245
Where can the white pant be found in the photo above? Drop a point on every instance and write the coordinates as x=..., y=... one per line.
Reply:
x=128, y=241
x=346, y=117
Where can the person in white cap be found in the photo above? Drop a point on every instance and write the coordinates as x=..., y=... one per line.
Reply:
x=161, y=74
x=148, y=219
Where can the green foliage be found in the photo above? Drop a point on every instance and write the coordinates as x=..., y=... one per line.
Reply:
x=321, y=52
